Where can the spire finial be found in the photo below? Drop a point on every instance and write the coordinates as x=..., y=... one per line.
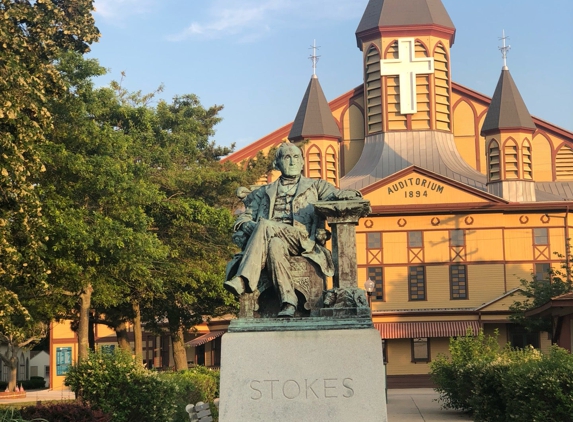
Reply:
x=504, y=49
x=314, y=58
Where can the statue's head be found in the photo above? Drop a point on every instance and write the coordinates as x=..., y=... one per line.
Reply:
x=289, y=160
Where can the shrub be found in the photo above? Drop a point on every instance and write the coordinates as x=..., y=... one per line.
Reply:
x=540, y=390
x=12, y=415
x=455, y=376
x=194, y=385
x=502, y=385
x=32, y=384
x=65, y=412
x=116, y=384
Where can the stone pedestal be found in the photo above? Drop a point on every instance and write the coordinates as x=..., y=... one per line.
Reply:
x=294, y=376
x=342, y=217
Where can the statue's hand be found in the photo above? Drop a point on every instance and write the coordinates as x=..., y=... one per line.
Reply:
x=322, y=236
x=345, y=195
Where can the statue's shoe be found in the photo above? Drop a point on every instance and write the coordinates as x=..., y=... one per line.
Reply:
x=287, y=311
x=236, y=286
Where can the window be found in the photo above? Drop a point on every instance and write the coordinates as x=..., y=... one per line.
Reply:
x=375, y=274
x=373, y=91
x=415, y=239
x=385, y=350
x=421, y=349
x=564, y=163
x=374, y=240
x=457, y=237
x=527, y=166
x=542, y=271
x=511, y=161
x=417, y=283
x=540, y=236
x=458, y=282
x=314, y=163
x=519, y=337
x=107, y=348
x=493, y=158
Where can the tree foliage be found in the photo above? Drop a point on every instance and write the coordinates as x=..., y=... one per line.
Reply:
x=138, y=205
x=112, y=205
x=538, y=292
x=33, y=35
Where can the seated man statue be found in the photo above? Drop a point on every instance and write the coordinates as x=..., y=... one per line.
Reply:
x=280, y=222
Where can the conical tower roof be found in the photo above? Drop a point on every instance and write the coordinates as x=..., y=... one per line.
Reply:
x=507, y=109
x=314, y=118
x=393, y=13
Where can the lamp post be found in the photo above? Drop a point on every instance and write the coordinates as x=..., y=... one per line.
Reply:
x=369, y=287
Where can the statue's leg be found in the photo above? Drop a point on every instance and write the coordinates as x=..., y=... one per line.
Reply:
x=255, y=254
x=279, y=267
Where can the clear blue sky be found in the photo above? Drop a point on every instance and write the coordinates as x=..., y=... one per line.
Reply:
x=252, y=55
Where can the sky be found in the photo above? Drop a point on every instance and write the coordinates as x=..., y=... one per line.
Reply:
x=252, y=56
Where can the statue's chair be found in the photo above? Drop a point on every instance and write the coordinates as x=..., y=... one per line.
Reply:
x=309, y=282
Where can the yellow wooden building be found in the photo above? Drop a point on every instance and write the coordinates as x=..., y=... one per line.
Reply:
x=469, y=193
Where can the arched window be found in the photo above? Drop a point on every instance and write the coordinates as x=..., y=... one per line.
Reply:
x=421, y=120
x=331, y=166
x=564, y=163
x=373, y=90
x=493, y=160
x=396, y=120
x=511, y=160
x=527, y=163
x=442, y=83
x=314, y=170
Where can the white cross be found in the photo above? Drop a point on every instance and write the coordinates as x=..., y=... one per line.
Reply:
x=407, y=66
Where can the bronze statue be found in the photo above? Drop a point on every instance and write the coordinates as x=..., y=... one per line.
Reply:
x=279, y=222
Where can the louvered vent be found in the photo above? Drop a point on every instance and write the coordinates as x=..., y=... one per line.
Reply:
x=314, y=164
x=527, y=164
x=373, y=91
x=511, y=164
x=564, y=164
x=421, y=120
x=331, y=166
x=441, y=77
x=396, y=120
x=493, y=158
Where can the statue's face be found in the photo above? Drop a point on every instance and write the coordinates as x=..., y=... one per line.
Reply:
x=290, y=163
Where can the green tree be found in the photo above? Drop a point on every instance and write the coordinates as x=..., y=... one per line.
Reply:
x=194, y=219
x=96, y=193
x=33, y=35
x=538, y=292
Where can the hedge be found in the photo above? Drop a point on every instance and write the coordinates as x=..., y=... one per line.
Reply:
x=503, y=384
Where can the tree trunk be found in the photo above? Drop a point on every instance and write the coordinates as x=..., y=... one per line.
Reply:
x=179, y=351
x=83, y=327
x=137, y=334
x=122, y=338
x=10, y=360
x=13, y=374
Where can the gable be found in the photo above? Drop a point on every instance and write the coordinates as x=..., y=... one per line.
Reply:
x=416, y=186
x=503, y=302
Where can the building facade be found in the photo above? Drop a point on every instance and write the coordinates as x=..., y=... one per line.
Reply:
x=469, y=193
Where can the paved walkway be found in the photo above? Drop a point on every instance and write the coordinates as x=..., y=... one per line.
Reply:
x=419, y=405
x=42, y=395
x=404, y=405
